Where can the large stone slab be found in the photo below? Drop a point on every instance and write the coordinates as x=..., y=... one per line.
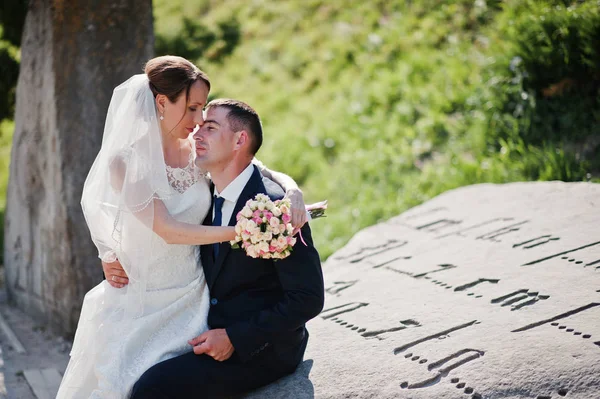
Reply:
x=488, y=291
x=73, y=54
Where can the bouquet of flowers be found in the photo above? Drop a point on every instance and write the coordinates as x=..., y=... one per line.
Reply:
x=263, y=227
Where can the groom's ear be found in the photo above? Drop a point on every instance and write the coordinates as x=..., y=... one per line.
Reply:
x=242, y=139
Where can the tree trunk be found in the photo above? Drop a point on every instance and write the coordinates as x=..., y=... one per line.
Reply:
x=73, y=54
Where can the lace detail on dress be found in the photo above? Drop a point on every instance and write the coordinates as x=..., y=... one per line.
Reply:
x=183, y=178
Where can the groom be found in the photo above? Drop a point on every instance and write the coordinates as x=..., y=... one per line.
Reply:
x=258, y=307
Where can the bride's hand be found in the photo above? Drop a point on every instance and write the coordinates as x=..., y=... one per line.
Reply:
x=115, y=274
x=298, y=207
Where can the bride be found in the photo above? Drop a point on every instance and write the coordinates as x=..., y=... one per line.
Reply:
x=144, y=201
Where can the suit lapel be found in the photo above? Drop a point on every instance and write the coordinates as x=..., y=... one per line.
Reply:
x=253, y=187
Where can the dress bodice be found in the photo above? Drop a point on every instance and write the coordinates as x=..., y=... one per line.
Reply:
x=176, y=265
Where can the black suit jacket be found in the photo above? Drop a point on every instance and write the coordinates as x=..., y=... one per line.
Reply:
x=262, y=303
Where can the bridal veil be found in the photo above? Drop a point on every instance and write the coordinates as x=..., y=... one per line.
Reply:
x=126, y=178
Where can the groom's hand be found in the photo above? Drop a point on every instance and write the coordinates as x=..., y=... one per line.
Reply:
x=115, y=274
x=214, y=343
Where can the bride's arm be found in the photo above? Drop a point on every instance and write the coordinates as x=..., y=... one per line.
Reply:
x=292, y=191
x=175, y=232
x=163, y=224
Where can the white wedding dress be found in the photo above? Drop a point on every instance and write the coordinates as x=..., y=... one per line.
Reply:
x=111, y=352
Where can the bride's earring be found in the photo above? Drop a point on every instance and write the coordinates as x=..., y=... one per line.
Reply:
x=162, y=117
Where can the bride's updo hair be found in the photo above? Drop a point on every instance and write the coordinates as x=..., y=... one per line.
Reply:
x=171, y=75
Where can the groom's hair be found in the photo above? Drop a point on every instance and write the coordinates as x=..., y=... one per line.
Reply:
x=241, y=116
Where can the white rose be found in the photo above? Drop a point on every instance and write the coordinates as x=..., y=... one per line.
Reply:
x=262, y=198
x=274, y=222
x=276, y=211
x=261, y=206
x=281, y=242
x=246, y=212
x=251, y=251
x=263, y=246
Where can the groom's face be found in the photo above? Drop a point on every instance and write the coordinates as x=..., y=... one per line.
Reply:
x=215, y=140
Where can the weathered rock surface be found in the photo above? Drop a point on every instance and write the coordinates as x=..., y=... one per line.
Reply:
x=73, y=54
x=489, y=291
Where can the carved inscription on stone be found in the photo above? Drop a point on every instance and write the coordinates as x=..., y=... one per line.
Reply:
x=519, y=299
x=488, y=291
x=339, y=286
x=369, y=251
x=534, y=242
x=576, y=255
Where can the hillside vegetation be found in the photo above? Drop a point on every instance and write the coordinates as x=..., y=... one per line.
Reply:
x=378, y=106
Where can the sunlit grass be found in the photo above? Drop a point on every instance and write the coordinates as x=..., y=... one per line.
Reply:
x=378, y=106
x=6, y=133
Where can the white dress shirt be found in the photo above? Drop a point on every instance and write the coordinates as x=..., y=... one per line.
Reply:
x=232, y=193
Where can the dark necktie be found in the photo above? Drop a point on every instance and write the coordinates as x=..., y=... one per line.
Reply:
x=217, y=220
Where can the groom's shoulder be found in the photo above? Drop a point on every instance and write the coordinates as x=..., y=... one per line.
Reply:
x=272, y=189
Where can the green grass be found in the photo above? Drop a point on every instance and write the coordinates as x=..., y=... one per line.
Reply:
x=378, y=106
x=6, y=133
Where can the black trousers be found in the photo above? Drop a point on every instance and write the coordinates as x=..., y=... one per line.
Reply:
x=201, y=377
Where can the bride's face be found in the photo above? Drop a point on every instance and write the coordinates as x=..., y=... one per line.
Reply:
x=181, y=117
